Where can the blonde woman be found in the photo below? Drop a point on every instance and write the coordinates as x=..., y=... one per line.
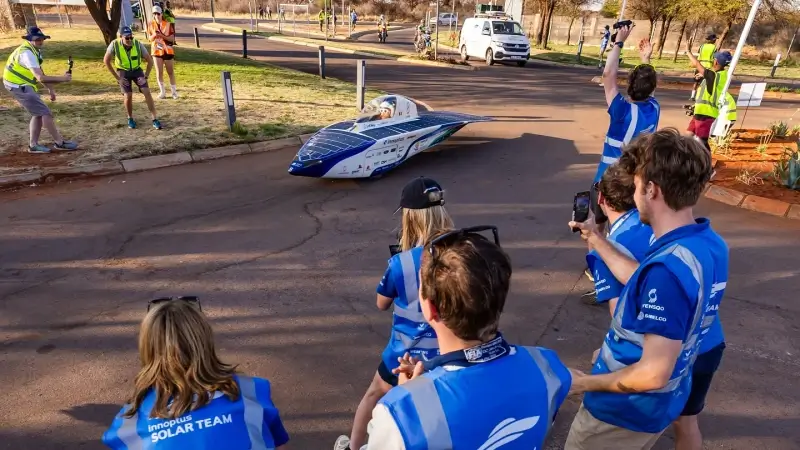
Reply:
x=184, y=397
x=424, y=216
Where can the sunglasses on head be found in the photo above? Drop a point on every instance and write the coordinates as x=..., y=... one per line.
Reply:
x=186, y=298
x=451, y=236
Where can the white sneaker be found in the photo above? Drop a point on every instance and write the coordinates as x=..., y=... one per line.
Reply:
x=175, y=94
x=342, y=443
x=162, y=95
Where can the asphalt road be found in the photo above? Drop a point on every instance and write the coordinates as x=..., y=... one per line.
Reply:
x=286, y=267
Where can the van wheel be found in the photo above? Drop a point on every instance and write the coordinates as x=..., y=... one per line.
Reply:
x=489, y=57
x=464, y=56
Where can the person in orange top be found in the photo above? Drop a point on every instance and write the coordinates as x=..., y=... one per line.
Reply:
x=162, y=35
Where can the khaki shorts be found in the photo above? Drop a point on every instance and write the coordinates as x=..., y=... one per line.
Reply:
x=30, y=100
x=588, y=433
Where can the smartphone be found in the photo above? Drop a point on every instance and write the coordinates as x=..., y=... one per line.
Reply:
x=394, y=249
x=580, y=208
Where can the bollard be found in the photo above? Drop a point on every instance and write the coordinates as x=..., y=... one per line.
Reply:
x=196, y=38
x=227, y=94
x=322, y=61
x=361, y=83
x=775, y=66
x=580, y=48
x=244, y=43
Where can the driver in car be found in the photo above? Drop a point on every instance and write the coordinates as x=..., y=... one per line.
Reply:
x=385, y=111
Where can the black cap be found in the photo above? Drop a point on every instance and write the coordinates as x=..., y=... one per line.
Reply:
x=35, y=33
x=711, y=37
x=421, y=193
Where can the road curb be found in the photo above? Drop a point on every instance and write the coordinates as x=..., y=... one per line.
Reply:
x=334, y=48
x=145, y=163
x=750, y=202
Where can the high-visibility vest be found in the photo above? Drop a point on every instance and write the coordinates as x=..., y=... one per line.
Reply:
x=707, y=55
x=731, y=107
x=125, y=60
x=160, y=47
x=707, y=104
x=18, y=74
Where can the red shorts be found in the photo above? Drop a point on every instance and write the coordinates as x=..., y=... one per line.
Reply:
x=701, y=127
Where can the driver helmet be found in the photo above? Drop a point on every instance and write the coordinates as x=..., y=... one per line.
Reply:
x=381, y=16
x=386, y=106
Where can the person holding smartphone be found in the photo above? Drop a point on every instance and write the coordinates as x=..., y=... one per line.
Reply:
x=423, y=215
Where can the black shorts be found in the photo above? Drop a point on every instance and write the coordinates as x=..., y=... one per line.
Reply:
x=387, y=375
x=702, y=373
x=165, y=57
x=127, y=78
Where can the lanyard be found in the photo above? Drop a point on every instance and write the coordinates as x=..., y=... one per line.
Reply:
x=488, y=351
x=620, y=221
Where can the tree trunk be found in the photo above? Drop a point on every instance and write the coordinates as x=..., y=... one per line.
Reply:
x=540, y=25
x=652, y=27
x=680, y=38
x=569, y=30
x=108, y=25
x=728, y=25
x=551, y=6
x=663, y=37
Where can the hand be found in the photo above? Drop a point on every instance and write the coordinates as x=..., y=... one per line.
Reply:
x=409, y=368
x=588, y=229
x=52, y=95
x=623, y=33
x=645, y=48
x=577, y=386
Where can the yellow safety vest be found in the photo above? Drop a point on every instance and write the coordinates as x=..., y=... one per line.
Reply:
x=18, y=74
x=707, y=55
x=731, y=107
x=124, y=60
x=707, y=104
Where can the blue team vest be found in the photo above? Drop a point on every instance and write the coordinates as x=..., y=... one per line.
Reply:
x=642, y=117
x=410, y=332
x=628, y=235
x=219, y=425
x=512, y=397
x=690, y=253
x=713, y=335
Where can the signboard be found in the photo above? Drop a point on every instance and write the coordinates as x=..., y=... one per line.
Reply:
x=751, y=94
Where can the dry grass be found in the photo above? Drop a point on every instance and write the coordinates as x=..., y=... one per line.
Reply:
x=271, y=102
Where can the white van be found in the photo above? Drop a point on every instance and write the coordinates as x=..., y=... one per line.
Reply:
x=494, y=37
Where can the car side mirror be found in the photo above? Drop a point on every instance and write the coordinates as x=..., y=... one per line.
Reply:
x=486, y=33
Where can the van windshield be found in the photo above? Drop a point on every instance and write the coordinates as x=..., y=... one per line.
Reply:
x=506, y=28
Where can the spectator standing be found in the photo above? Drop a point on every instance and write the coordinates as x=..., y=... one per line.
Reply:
x=21, y=77
x=481, y=392
x=604, y=42
x=706, y=57
x=627, y=233
x=269, y=12
x=706, y=105
x=127, y=54
x=185, y=397
x=423, y=215
x=162, y=35
x=628, y=117
x=641, y=377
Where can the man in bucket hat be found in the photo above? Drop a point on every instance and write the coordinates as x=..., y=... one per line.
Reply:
x=21, y=77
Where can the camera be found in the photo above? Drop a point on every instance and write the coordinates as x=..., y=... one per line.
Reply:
x=623, y=23
x=580, y=208
x=688, y=110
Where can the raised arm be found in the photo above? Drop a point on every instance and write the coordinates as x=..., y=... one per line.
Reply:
x=612, y=65
x=700, y=69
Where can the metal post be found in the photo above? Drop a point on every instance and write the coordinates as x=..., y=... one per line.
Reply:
x=775, y=66
x=244, y=43
x=436, y=48
x=791, y=43
x=622, y=9
x=361, y=83
x=196, y=38
x=250, y=7
x=227, y=95
x=322, y=61
x=213, y=17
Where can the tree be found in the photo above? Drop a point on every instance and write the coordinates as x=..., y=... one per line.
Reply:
x=652, y=10
x=546, y=9
x=108, y=22
x=610, y=9
x=572, y=9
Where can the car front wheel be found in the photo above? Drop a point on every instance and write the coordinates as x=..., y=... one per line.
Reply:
x=464, y=56
x=489, y=57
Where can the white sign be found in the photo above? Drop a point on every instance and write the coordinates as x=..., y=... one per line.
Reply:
x=751, y=94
